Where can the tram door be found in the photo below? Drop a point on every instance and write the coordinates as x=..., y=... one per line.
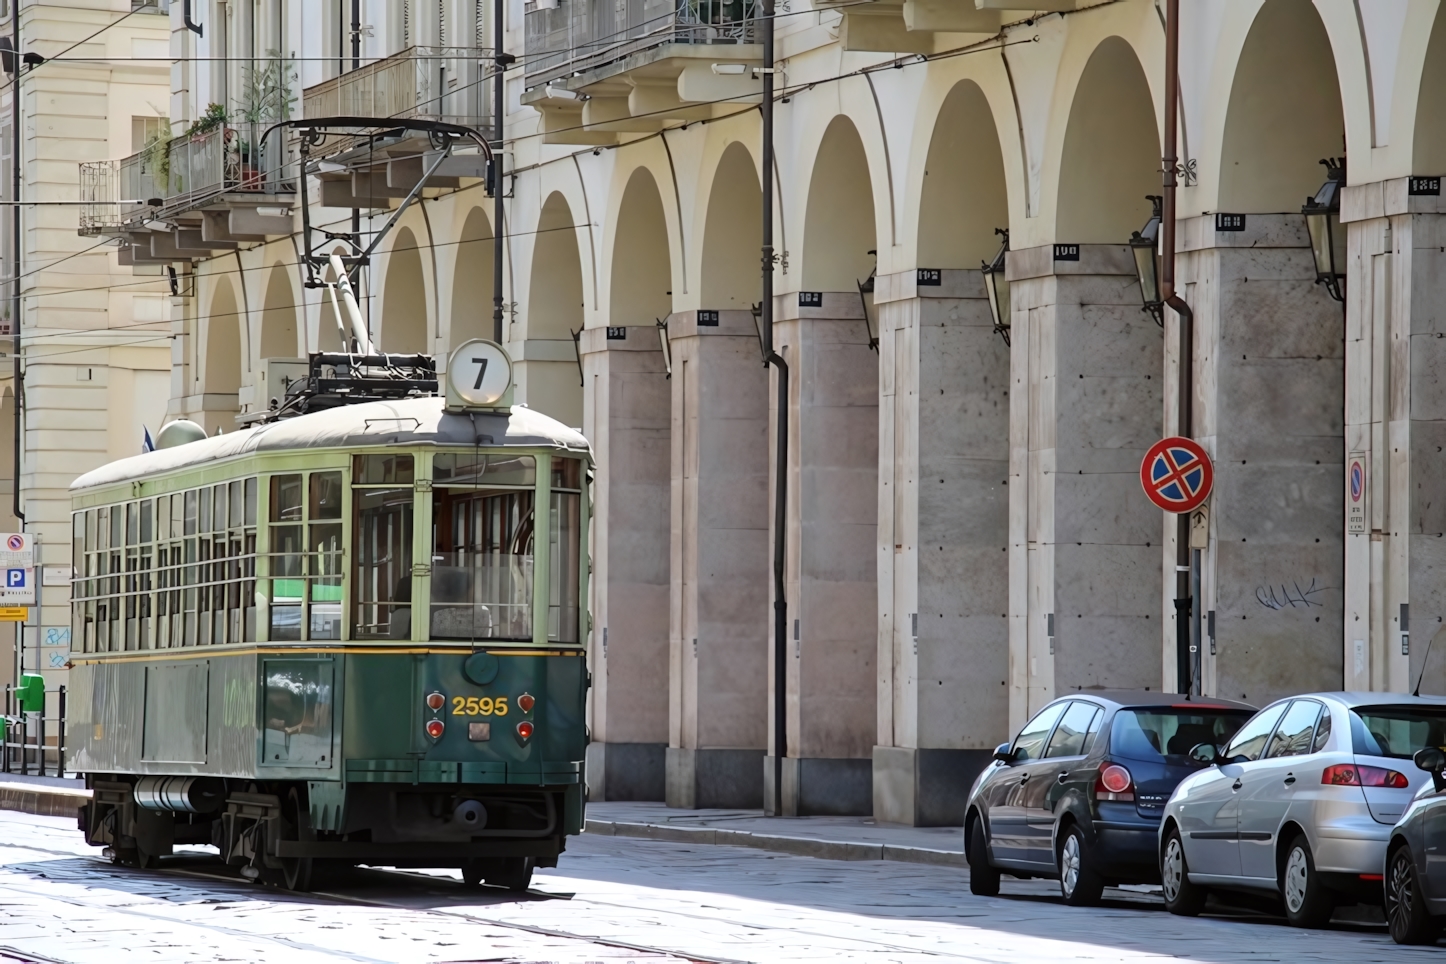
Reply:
x=382, y=507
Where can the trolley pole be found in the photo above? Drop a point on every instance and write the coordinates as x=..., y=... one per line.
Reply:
x=780, y=478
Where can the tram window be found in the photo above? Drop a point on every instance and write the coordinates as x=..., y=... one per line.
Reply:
x=566, y=473
x=203, y=498
x=382, y=470
x=325, y=564
x=325, y=496
x=286, y=498
x=117, y=525
x=178, y=516
x=250, y=499
x=482, y=563
x=132, y=522
x=383, y=551
x=563, y=546
x=148, y=534
x=102, y=528
x=220, y=500
x=467, y=468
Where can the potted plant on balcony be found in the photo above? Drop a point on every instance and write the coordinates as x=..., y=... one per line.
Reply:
x=266, y=97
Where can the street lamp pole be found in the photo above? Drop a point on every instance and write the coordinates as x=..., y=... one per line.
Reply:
x=16, y=143
x=780, y=482
x=1186, y=608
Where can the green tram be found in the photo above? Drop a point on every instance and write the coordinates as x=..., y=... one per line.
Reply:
x=352, y=636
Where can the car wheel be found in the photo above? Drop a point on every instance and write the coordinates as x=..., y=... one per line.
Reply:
x=1181, y=896
x=983, y=876
x=1307, y=901
x=1079, y=883
x=1406, y=913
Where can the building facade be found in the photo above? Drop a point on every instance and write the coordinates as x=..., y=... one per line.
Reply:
x=967, y=536
x=94, y=334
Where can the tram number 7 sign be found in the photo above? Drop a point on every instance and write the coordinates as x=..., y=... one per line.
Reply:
x=1177, y=475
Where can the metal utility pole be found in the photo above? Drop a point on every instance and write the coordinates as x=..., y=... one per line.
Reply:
x=499, y=104
x=780, y=482
x=356, y=35
x=16, y=142
x=1187, y=604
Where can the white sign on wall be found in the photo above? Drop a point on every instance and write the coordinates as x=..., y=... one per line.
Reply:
x=17, y=565
x=1357, y=478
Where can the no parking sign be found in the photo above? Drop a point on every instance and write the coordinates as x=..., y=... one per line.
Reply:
x=1177, y=474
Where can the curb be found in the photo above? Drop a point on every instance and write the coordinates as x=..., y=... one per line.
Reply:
x=776, y=843
x=42, y=800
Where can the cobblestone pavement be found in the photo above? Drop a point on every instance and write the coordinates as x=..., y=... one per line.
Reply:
x=611, y=900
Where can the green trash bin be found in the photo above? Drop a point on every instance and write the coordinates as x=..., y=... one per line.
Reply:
x=31, y=693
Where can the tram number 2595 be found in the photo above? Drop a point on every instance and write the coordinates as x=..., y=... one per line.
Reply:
x=479, y=706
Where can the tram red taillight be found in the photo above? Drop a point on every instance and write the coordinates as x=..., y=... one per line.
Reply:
x=526, y=701
x=524, y=730
x=435, y=701
x=435, y=728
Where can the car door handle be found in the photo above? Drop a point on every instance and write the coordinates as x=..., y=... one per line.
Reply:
x=1236, y=784
x=1063, y=775
x=1289, y=779
x=1024, y=779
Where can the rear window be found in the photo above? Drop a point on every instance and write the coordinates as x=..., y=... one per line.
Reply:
x=1167, y=734
x=1397, y=731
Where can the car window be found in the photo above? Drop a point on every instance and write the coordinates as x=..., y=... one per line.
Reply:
x=1249, y=743
x=1397, y=731
x=1322, y=732
x=1157, y=734
x=1029, y=744
x=1294, y=735
x=1071, y=736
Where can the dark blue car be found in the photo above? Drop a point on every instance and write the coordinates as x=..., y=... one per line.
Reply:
x=1079, y=794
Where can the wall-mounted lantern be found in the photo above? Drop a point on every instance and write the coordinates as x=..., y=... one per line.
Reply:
x=996, y=287
x=1144, y=245
x=866, y=289
x=1327, y=239
x=667, y=348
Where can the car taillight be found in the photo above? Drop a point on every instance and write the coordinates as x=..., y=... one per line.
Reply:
x=1357, y=775
x=526, y=701
x=435, y=701
x=435, y=728
x=1114, y=783
x=524, y=730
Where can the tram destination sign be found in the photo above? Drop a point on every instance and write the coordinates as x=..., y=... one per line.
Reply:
x=479, y=374
x=17, y=562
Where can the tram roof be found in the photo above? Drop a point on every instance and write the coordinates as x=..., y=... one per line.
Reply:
x=413, y=421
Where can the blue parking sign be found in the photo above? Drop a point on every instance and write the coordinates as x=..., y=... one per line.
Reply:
x=14, y=578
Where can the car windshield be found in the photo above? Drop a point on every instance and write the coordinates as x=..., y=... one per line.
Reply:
x=1397, y=731
x=1166, y=734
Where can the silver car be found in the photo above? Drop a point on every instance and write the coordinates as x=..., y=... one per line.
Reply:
x=1300, y=804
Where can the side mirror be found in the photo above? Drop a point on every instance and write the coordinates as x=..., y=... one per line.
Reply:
x=1002, y=754
x=1206, y=753
x=1433, y=761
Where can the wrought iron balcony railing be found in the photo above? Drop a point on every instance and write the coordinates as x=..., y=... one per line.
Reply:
x=448, y=84
x=581, y=35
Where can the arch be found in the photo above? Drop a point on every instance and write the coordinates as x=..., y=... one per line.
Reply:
x=1111, y=154
x=964, y=195
x=1429, y=145
x=221, y=372
x=404, y=298
x=1284, y=112
x=838, y=227
x=555, y=301
x=472, y=281
x=278, y=316
x=642, y=273
x=730, y=276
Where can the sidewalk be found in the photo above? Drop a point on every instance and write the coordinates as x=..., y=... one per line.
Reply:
x=831, y=838
x=49, y=796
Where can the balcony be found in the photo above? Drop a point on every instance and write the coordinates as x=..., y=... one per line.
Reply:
x=170, y=186
x=425, y=83
x=597, y=68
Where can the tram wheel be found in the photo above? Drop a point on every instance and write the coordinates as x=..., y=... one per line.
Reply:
x=473, y=873
x=296, y=872
x=514, y=873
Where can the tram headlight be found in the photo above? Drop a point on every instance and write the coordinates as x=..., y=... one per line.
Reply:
x=435, y=728
x=435, y=701
x=524, y=731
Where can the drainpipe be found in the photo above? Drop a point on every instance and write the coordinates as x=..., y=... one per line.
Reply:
x=501, y=61
x=1187, y=563
x=780, y=482
x=16, y=146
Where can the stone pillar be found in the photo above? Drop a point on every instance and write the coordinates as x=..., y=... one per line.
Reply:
x=1086, y=374
x=718, y=636
x=627, y=417
x=1268, y=408
x=1395, y=402
x=831, y=575
x=943, y=534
